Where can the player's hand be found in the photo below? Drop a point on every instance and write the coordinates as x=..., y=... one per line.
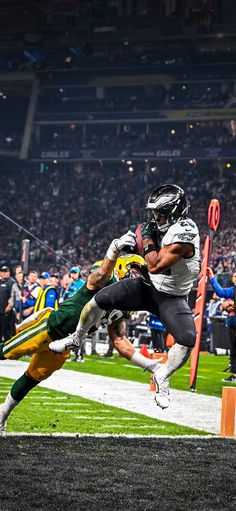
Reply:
x=209, y=273
x=128, y=239
x=147, y=230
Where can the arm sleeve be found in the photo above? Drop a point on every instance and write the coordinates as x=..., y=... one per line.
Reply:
x=222, y=292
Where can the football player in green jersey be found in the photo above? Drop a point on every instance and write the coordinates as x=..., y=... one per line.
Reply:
x=37, y=332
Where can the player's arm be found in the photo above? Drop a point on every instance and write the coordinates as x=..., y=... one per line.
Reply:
x=99, y=277
x=158, y=261
x=117, y=334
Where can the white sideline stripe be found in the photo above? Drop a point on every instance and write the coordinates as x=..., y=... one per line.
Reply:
x=120, y=435
x=187, y=408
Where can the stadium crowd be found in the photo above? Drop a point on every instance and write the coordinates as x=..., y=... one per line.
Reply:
x=137, y=98
x=126, y=135
x=77, y=211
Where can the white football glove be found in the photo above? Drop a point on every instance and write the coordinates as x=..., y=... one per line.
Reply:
x=128, y=239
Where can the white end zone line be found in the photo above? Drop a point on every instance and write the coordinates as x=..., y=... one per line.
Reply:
x=122, y=435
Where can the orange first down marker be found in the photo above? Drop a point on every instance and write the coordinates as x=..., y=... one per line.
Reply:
x=228, y=411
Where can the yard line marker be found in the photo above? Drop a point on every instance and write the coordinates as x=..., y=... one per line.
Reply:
x=84, y=410
x=110, y=419
x=48, y=403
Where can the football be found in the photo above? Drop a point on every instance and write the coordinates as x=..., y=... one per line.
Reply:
x=139, y=239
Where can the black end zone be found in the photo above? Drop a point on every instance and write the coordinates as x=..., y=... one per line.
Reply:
x=91, y=473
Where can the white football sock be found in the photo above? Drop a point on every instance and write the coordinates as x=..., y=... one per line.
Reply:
x=8, y=405
x=148, y=364
x=177, y=357
x=90, y=316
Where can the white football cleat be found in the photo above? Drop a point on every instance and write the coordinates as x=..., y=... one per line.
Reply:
x=67, y=343
x=162, y=396
x=3, y=421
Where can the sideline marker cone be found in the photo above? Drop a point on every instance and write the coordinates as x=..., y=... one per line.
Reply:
x=144, y=351
x=228, y=411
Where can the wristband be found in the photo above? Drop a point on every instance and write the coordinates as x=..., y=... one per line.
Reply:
x=149, y=248
x=112, y=252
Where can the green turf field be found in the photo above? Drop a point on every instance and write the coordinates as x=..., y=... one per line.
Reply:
x=47, y=411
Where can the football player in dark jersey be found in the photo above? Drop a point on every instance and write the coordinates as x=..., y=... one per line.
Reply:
x=170, y=246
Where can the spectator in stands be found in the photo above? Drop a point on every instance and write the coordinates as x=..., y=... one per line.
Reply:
x=229, y=306
x=30, y=293
x=55, y=283
x=16, y=293
x=64, y=285
x=47, y=296
x=77, y=281
x=7, y=316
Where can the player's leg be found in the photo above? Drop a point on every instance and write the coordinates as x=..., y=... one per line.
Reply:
x=129, y=294
x=177, y=318
x=32, y=337
x=42, y=365
x=19, y=390
x=117, y=334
